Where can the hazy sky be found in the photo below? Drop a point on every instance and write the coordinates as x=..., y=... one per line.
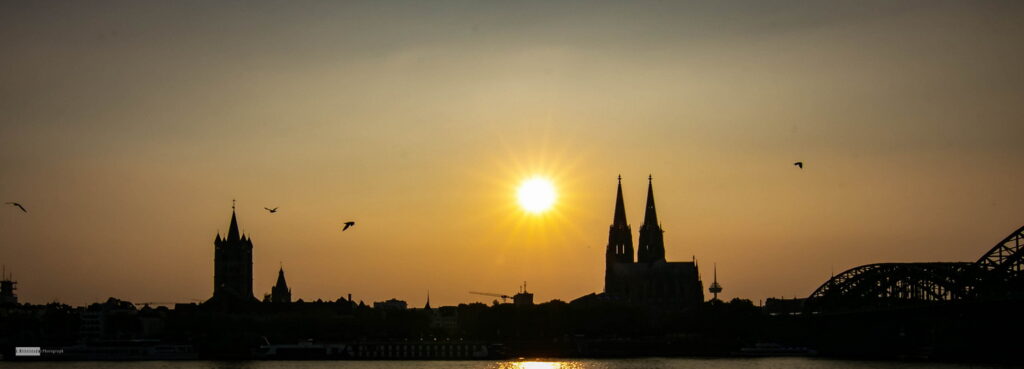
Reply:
x=127, y=128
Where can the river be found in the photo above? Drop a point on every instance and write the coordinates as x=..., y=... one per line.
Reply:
x=645, y=363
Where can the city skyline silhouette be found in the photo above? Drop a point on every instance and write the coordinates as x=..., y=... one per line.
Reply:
x=126, y=134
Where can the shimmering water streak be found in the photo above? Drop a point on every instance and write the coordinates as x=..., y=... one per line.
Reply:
x=644, y=363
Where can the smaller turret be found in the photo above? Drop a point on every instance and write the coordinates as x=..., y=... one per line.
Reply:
x=281, y=294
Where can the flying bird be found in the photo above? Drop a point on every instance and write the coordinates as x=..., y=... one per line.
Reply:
x=18, y=205
x=274, y=210
x=799, y=164
x=348, y=224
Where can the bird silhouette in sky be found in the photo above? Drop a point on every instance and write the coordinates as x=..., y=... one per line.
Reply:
x=274, y=210
x=799, y=164
x=18, y=205
x=348, y=224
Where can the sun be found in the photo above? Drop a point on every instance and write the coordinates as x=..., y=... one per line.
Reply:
x=536, y=195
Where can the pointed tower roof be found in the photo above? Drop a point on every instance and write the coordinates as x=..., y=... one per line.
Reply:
x=427, y=307
x=280, y=278
x=620, y=207
x=233, y=234
x=651, y=215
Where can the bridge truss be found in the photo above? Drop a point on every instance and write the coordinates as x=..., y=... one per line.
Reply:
x=999, y=274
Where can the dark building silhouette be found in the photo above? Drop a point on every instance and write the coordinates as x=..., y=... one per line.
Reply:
x=232, y=266
x=7, y=287
x=651, y=279
x=280, y=293
x=392, y=304
x=523, y=298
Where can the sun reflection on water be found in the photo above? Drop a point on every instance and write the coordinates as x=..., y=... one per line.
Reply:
x=540, y=365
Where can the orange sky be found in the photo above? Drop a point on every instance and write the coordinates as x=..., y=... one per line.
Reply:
x=128, y=128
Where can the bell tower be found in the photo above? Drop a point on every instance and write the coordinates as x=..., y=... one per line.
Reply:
x=232, y=265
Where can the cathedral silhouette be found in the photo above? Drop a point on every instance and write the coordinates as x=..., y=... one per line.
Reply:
x=651, y=280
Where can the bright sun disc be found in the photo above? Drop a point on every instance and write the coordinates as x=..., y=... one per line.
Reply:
x=536, y=195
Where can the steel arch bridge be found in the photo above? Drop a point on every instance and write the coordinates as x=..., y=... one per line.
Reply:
x=997, y=275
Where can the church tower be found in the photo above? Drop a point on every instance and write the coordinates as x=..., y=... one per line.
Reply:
x=232, y=265
x=652, y=242
x=280, y=293
x=620, y=241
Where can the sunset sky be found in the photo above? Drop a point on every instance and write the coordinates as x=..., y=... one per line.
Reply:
x=128, y=127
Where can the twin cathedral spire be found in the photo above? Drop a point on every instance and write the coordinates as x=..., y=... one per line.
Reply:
x=652, y=243
x=651, y=246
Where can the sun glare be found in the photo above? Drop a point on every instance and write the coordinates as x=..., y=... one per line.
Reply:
x=536, y=195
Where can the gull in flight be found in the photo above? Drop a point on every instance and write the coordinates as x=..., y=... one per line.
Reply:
x=18, y=205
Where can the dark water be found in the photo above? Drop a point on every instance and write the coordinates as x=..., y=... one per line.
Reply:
x=647, y=363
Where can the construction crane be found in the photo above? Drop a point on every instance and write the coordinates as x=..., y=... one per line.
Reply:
x=504, y=298
x=521, y=298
